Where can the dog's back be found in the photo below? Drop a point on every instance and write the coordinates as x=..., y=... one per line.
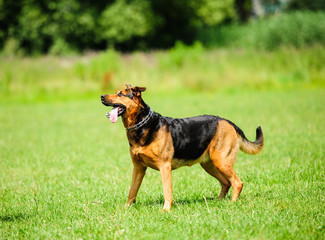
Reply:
x=191, y=136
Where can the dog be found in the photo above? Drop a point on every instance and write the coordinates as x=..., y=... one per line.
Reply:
x=165, y=143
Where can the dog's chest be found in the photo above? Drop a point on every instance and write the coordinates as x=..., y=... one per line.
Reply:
x=145, y=157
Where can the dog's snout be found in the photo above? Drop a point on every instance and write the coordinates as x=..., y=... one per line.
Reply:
x=103, y=97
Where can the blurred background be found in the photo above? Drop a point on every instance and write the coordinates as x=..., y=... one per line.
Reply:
x=65, y=48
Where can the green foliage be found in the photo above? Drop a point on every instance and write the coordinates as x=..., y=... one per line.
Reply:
x=11, y=48
x=66, y=26
x=70, y=26
x=315, y=5
x=181, y=55
x=33, y=23
x=296, y=29
x=105, y=63
x=61, y=47
x=49, y=26
x=213, y=12
x=122, y=21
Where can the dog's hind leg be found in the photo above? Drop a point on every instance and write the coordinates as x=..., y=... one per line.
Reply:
x=228, y=172
x=223, y=152
x=214, y=172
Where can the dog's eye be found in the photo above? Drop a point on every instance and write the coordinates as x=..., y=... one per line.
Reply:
x=120, y=94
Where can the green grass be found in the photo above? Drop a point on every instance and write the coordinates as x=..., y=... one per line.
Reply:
x=65, y=171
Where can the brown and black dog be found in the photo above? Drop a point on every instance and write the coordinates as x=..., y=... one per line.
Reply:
x=165, y=143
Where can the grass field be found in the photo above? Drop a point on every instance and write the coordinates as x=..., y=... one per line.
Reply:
x=65, y=170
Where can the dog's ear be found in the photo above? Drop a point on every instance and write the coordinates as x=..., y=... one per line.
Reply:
x=128, y=86
x=138, y=90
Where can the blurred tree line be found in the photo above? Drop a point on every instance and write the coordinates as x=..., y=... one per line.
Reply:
x=63, y=26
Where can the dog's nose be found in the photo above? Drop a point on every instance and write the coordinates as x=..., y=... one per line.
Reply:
x=103, y=97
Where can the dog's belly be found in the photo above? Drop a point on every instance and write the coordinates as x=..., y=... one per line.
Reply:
x=177, y=163
x=146, y=158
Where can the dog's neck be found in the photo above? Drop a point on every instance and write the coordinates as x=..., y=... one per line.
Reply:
x=133, y=118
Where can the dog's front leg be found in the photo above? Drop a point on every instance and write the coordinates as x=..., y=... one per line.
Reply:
x=137, y=176
x=166, y=176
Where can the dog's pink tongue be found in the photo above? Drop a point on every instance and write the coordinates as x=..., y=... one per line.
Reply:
x=113, y=115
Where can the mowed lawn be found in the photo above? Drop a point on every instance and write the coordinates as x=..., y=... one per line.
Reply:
x=65, y=172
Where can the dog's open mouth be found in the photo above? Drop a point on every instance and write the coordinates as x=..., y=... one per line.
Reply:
x=117, y=111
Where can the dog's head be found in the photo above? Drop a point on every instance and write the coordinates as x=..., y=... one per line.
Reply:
x=125, y=102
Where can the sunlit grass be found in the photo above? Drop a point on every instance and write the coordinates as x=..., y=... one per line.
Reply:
x=65, y=171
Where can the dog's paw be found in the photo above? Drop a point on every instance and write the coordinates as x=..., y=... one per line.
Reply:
x=128, y=204
x=165, y=209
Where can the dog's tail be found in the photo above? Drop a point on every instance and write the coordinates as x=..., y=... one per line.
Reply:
x=247, y=146
x=252, y=147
